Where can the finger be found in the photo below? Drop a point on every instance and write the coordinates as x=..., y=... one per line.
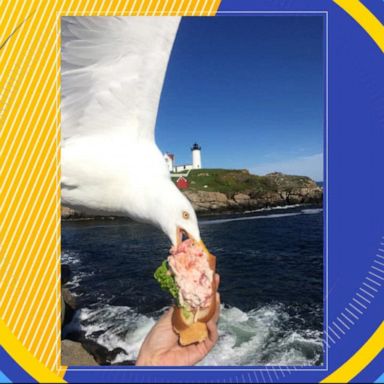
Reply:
x=168, y=314
x=217, y=280
x=213, y=334
x=216, y=315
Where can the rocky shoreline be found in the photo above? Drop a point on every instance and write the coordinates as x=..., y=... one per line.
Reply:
x=275, y=190
x=75, y=348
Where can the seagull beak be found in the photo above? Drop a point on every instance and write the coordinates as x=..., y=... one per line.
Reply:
x=182, y=234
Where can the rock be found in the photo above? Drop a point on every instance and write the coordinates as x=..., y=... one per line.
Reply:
x=67, y=212
x=68, y=306
x=99, y=352
x=66, y=273
x=73, y=353
x=69, y=299
x=241, y=198
x=232, y=203
x=207, y=201
x=102, y=355
x=242, y=191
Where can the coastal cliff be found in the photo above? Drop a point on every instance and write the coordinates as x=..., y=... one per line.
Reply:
x=220, y=190
x=238, y=190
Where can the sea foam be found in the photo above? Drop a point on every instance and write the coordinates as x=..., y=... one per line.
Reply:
x=256, y=337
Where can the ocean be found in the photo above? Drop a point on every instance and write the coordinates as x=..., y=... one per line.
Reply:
x=271, y=267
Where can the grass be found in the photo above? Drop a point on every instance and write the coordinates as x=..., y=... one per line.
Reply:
x=231, y=181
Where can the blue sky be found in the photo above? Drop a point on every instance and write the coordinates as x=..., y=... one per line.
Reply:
x=249, y=90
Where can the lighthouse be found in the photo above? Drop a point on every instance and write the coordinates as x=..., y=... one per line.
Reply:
x=196, y=156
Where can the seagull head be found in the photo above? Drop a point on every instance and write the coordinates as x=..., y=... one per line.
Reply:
x=174, y=214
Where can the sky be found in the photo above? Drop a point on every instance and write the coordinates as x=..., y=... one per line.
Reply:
x=249, y=90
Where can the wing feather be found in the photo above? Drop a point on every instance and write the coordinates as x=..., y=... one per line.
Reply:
x=113, y=70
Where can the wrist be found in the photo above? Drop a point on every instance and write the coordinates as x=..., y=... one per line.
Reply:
x=143, y=361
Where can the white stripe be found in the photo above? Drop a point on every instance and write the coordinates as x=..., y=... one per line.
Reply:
x=56, y=342
x=133, y=7
x=20, y=216
x=20, y=12
x=47, y=343
x=379, y=277
x=116, y=11
x=358, y=302
x=37, y=316
x=37, y=69
x=23, y=166
x=28, y=255
x=366, y=292
x=367, y=285
x=373, y=281
x=204, y=7
x=47, y=326
x=362, y=297
x=211, y=9
x=15, y=305
x=356, y=309
x=31, y=303
x=45, y=121
x=334, y=332
x=195, y=8
x=171, y=9
x=352, y=314
x=338, y=327
x=377, y=269
x=148, y=7
x=181, y=6
x=329, y=336
x=101, y=8
x=41, y=78
x=156, y=8
x=342, y=322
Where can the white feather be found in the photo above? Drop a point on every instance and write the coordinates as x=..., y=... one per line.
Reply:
x=113, y=70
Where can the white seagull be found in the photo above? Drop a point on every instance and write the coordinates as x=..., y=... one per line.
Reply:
x=113, y=70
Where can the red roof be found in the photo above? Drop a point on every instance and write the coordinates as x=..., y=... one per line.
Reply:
x=182, y=183
x=171, y=156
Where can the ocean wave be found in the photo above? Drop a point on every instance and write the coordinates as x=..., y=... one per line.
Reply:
x=259, y=217
x=76, y=281
x=290, y=206
x=312, y=211
x=70, y=257
x=256, y=337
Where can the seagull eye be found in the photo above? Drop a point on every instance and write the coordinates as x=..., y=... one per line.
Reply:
x=185, y=215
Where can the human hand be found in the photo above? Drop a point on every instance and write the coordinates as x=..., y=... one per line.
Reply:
x=161, y=346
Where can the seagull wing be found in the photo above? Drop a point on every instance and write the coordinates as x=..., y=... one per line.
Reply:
x=113, y=70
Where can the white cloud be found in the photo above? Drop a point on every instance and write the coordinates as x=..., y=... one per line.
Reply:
x=311, y=166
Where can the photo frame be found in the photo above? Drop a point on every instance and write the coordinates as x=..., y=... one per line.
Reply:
x=30, y=291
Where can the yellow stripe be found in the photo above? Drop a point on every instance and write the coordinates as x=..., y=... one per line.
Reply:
x=360, y=359
x=365, y=18
x=25, y=359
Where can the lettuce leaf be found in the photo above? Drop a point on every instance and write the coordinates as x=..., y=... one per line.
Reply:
x=167, y=281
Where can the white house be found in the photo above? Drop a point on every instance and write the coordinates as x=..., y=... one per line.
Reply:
x=169, y=160
x=196, y=160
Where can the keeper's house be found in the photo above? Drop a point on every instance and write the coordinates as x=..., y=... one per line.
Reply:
x=196, y=160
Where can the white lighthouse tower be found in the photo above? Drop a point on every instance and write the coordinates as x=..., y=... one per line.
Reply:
x=196, y=156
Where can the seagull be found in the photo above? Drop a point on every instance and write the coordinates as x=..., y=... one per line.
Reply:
x=113, y=70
